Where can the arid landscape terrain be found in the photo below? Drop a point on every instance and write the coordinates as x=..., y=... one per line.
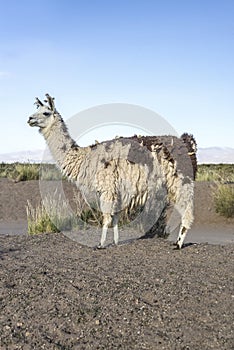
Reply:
x=59, y=294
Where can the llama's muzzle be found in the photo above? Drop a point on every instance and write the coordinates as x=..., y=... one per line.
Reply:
x=31, y=121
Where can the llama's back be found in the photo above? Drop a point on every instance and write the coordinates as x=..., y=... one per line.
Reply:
x=171, y=148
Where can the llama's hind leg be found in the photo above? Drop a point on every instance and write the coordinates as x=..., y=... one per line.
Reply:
x=187, y=217
x=181, y=237
x=186, y=223
x=106, y=222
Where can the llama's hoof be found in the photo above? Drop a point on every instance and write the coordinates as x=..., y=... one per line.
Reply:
x=178, y=245
x=99, y=246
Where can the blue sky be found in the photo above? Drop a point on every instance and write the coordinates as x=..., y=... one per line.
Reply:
x=174, y=57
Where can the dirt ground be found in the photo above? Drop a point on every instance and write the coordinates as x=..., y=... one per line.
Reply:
x=58, y=294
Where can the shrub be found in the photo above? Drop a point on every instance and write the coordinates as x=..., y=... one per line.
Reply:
x=224, y=200
x=6, y=169
x=39, y=220
x=53, y=215
x=20, y=171
x=30, y=171
x=24, y=172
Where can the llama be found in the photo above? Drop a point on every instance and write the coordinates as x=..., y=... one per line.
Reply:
x=118, y=173
x=178, y=159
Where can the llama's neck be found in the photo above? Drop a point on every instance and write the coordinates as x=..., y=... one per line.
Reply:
x=63, y=148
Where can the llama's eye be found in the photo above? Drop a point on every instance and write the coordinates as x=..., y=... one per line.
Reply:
x=46, y=114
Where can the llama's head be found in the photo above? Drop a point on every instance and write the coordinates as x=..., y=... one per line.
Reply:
x=45, y=115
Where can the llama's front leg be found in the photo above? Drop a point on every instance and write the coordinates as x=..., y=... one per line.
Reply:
x=181, y=237
x=103, y=237
x=115, y=226
x=106, y=223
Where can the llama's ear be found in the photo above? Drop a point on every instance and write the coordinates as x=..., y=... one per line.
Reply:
x=50, y=101
x=38, y=103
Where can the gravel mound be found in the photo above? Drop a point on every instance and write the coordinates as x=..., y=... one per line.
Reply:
x=57, y=294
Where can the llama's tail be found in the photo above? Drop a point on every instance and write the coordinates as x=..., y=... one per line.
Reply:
x=191, y=145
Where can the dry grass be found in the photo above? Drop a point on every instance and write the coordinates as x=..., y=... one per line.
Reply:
x=30, y=171
x=215, y=172
x=53, y=215
x=20, y=171
x=39, y=220
x=223, y=177
x=224, y=200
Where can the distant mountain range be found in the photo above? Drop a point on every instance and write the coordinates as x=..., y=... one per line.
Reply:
x=215, y=155
x=205, y=155
x=23, y=156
